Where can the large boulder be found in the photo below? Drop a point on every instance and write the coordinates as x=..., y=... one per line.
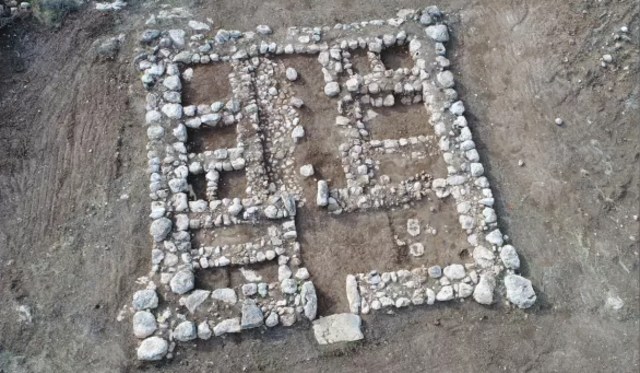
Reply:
x=342, y=327
x=519, y=291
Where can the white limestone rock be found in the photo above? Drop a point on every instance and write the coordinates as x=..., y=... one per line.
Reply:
x=445, y=294
x=483, y=293
x=198, y=26
x=509, y=257
x=306, y=170
x=227, y=326
x=457, y=108
x=204, y=331
x=353, y=294
x=332, y=89
x=464, y=290
x=225, y=295
x=292, y=74
x=172, y=83
x=160, y=228
x=182, y=282
x=416, y=249
x=177, y=37
x=413, y=227
x=172, y=111
x=445, y=78
x=145, y=299
x=343, y=327
x=310, y=300
x=144, y=324
x=476, y=169
x=454, y=272
x=185, y=331
x=195, y=299
x=264, y=30
x=495, y=237
x=288, y=286
x=251, y=316
x=439, y=33
x=272, y=320
x=152, y=349
x=322, y=196
x=519, y=291
x=297, y=133
x=483, y=257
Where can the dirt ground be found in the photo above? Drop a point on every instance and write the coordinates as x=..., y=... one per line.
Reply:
x=73, y=195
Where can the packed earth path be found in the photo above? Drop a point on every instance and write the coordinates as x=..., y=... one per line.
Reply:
x=335, y=187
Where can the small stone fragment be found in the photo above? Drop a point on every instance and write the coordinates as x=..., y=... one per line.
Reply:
x=416, y=249
x=225, y=295
x=292, y=74
x=195, y=299
x=204, y=331
x=263, y=30
x=227, y=326
x=483, y=293
x=413, y=227
x=185, y=331
x=445, y=294
x=198, y=26
x=306, y=170
x=510, y=257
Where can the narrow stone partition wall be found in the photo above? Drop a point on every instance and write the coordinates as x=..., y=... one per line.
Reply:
x=226, y=253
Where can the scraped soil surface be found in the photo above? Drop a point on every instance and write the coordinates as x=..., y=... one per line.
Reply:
x=74, y=197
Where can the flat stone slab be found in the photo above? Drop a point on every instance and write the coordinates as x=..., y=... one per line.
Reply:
x=342, y=327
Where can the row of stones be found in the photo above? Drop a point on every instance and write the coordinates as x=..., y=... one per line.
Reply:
x=358, y=154
x=276, y=243
x=183, y=279
x=310, y=49
x=228, y=45
x=464, y=168
x=151, y=329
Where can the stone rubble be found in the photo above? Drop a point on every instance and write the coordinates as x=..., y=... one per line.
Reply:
x=263, y=108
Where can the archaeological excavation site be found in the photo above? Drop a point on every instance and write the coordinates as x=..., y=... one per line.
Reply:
x=244, y=186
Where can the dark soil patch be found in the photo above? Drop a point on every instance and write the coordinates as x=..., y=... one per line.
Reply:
x=209, y=83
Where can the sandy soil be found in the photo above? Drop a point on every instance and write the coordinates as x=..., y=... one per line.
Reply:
x=73, y=198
